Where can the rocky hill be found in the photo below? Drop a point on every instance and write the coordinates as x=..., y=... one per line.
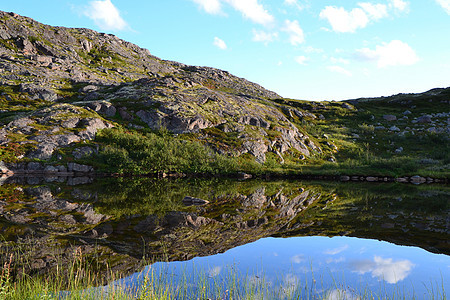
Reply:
x=60, y=86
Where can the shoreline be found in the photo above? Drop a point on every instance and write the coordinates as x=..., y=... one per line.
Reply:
x=415, y=179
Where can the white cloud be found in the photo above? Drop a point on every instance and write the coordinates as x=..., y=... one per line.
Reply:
x=252, y=10
x=210, y=6
x=339, y=60
x=310, y=49
x=344, y=21
x=394, y=53
x=296, y=259
x=401, y=5
x=336, y=250
x=219, y=43
x=214, y=271
x=384, y=269
x=290, y=284
x=301, y=59
x=343, y=71
x=295, y=32
x=445, y=5
x=375, y=11
x=294, y=3
x=262, y=36
x=105, y=15
x=335, y=260
x=338, y=294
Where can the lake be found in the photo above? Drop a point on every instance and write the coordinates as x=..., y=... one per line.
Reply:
x=270, y=239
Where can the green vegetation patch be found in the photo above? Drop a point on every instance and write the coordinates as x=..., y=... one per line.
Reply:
x=141, y=153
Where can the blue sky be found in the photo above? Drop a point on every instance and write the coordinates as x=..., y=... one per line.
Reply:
x=302, y=49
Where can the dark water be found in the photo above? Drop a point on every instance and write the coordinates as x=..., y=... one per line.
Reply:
x=323, y=238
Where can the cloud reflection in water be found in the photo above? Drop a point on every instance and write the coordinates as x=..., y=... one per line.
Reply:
x=384, y=269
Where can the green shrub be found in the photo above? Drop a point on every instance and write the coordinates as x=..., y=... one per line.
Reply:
x=142, y=153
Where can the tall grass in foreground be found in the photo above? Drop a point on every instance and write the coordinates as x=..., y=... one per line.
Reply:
x=79, y=281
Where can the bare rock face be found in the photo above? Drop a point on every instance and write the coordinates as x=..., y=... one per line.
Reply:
x=168, y=102
x=55, y=127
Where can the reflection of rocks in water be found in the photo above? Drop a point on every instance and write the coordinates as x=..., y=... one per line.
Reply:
x=43, y=212
x=226, y=222
x=33, y=180
x=135, y=218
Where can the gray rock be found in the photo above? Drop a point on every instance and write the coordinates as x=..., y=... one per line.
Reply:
x=257, y=148
x=243, y=176
x=66, y=139
x=254, y=121
x=74, y=167
x=347, y=106
x=70, y=123
x=37, y=92
x=61, y=169
x=87, y=45
x=428, y=161
x=424, y=119
x=78, y=180
x=34, y=166
x=344, y=178
x=50, y=169
x=103, y=107
x=47, y=144
x=91, y=96
x=394, y=128
x=389, y=117
x=69, y=219
x=83, y=152
x=3, y=167
x=91, y=217
x=406, y=112
x=402, y=179
x=188, y=200
x=124, y=114
x=20, y=123
x=92, y=126
x=417, y=179
x=256, y=200
x=399, y=150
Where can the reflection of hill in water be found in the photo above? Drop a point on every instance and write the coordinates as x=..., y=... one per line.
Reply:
x=121, y=220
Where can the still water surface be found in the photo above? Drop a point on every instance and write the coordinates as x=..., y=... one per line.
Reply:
x=312, y=267
x=286, y=238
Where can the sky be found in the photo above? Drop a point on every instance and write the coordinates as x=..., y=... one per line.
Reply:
x=301, y=49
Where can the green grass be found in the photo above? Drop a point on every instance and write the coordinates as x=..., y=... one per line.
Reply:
x=141, y=153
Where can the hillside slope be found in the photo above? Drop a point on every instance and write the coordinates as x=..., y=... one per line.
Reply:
x=60, y=86
x=44, y=66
